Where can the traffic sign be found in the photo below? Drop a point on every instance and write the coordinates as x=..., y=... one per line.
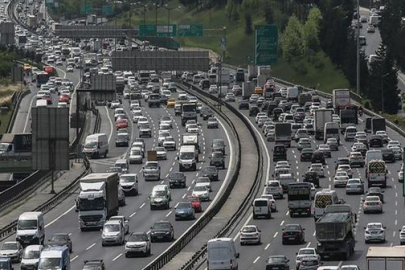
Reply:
x=86, y=9
x=151, y=30
x=190, y=30
x=266, y=44
x=107, y=10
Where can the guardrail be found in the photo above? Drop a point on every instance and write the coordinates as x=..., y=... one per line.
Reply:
x=16, y=101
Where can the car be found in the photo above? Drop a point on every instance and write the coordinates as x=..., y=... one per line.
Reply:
x=138, y=243
x=129, y=183
x=304, y=143
x=124, y=221
x=161, y=153
x=374, y=232
x=162, y=135
x=12, y=250
x=64, y=98
x=167, y=120
x=355, y=185
x=162, y=231
x=135, y=155
x=318, y=157
x=270, y=197
x=305, y=253
x=69, y=68
x=115, y=104
x=217, y=159
x=346, y=168
x=359, y=147
x=177, y=179
x=170, y=103
x=401, y=175
x=253, y=110
x=340, y=179
x=169, y=143
x=204, y=180
x=383, y=135
x=370, y=28
x=243, y=105
x=309, y=263
x=211, y=172
x=311, y=177
x=274, y=188
x=230, y=97
x=356, y=158
x=121, y=123
x=325, y=149
x=293, y=233
x=165, y=125
x=201, y=191
x=388, y=155
x=212, y=123
x=393, y=143
x=30, y=258
x=342, y=160
x=213, y=89
x=121, y=140
x=250, y=234
x=349, y=267
x=306, y=154
x=184, y=210
x=318, y=168
x=61, y=239
x=372, y=204
x=402, y=235
x=375, y=141
x=333, y=144
x=116, y=169
x=192, y=128
x=144, y=130
x=376, y=191
x=397, y=151
x=277, y=262
x=94, y=265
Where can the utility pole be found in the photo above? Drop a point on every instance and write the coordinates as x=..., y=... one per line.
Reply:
x=382, y=91
x=358, y=49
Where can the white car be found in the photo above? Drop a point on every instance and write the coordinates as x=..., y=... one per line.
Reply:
x=162, y=135
x=204, y=181
x=12, y=250
x=164, y=126
x=213, y=89
x=374, y=232
x=346, y=168
x=161, y=152
x=392, y=144
x=138, y=243
x=270, y=197
x=260, y=114
x=142, y=120
x=201, y=191
x=274, y=188
x=318, y=168
x=123, y=220
x=306, y=252
x=402, y=235
x=69, y=68
x=340, y=179
x=192, y=128
x=230, y=97
x=136, y=116
x=169, y=143
x=383, y=135
x=349, y=267
x=250, y=234
x=166, y=120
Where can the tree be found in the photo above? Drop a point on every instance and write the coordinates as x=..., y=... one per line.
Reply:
x=268, y=13
x=390, y=25
x=311, y=29
x=292, y=41
x=248, y=23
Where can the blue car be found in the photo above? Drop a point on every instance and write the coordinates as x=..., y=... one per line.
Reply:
x=6, y=264
x=184, y=210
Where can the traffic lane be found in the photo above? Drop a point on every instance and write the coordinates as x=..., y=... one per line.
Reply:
x=373, y=39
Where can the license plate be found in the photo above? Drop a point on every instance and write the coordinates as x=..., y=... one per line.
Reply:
x=26, y=241
x=291, y=238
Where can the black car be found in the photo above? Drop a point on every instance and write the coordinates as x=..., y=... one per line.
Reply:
x=94, y=265
x=204, y=84
x=218, y=145
x=293, y=233
x=61, y=239
x=376, y=191
x=244, y=105
x=177, y=179
x=375, y=141
x=253, y=110
x=311, y=177
x=329, y=104
x=162, y=231
x=211, y=172
x=206, y=112
x=217, y=159
x=388, y=155
x=277, y=262
x=276, y=113
x=121, y=140
x=306, y=154
x=318, y=157
x=279, y=153
x=265, y=106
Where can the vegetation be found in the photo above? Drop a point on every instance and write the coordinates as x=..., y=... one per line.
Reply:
x=4, y=119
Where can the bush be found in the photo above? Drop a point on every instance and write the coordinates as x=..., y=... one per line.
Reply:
x=367, y=105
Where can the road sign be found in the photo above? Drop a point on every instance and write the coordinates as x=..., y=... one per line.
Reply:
x=190, y=30
x=151, y=30
x=266, y=44
x=107, y=10
x=223, y=44
x=86, y=9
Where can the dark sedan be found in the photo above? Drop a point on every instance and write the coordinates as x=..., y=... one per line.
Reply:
x=277, y=262
x=306, y=154
x=388, y=155
x=217, y=159
x=375, y=141
x=184, y=210
x=61, y=239
x=211, y=172
x=244, y=105
x=293, y=233
x=376, y=191
x=162, y=231
x=177, y=179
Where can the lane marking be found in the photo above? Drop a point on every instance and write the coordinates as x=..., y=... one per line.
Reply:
x=282, y=222
x=29, y=113
x=74, y=258
x=255, y=261
x=92, y=245
x=267, y=246
x=111, y=124
x=56, y=219
x=116, y=258
x=275, y=235
x=142, y=206
x=308, y=244
x=133, y=214
x=168, y=214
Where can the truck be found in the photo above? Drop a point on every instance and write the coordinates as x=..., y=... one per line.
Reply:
x=283, y=134
x=341, y=99
x=191, y=139
x=348, y=117
x=188, y=112
x=91, y=19
x=97, y=200
x=385, y=258
x=223, y=77
x=299, y=198
x=151, y=170
x=252, y=72
x=335, y=231
x=377, y=124
x=240, y=75
x=376, y=173
x=16, y=144
x=304, y=98
x=322, y=116
x=293, y=93
x=31, y=21
x=247, y=89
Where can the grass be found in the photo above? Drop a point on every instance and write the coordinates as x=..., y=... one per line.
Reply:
x=4, y=119
x=6, y=92
x=397, y=119
x=240, y=47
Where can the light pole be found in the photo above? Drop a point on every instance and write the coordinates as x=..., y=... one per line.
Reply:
x=358, y=49
x=168, y=21
x=382, y=91
x=144, y=10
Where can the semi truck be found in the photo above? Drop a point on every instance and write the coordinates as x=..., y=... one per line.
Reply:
x=377, y=124
x=322, y=116
x=191, y=139
x=188, y=112
x=341, y=99
x=335, y=231
x=348, y=117
x=252, y=72
x=97, y=200
x=247, y=89
x=16, y=144
x=385, y=258
x=283, y=134
x=223, y=77
x=299, y=198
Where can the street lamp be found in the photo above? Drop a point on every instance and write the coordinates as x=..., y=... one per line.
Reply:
x=144, y=10
x=358, y=49
x=382, y=91
x=168, y=20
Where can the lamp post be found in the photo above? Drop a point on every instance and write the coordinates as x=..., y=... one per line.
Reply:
x=382, y=91
x=168, y=21
x=144, y=10
x=358, y=49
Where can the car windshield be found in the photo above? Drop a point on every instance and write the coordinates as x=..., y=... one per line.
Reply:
x=200, y=188
x=9, y=246
x=127, y=178
x=136, y=153
x=27, y=224
x=273, y=184
x=49, y=263
x=138, y=237
x=183, y=206
x=306, y=252
x=161, y=226
x=58, y=237
x=151, y=166
x=217, y=155
x=176, y=175
x=210, y=169
x=121, y=136
x=292, y=228
x=309, y=262
x=372, y=198
x=275, y=260
x=91, y=144
x=111, y=228
x=203, y=180
x=31, y=254
x=374, y=226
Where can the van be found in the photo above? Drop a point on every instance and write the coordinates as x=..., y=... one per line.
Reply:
x=261, y=207
x=350, y=133
x=30, y=257
x=56, y=257
x=222, y=254
x=122, y=163
x=374, y=20
x=322, y=199
x=160, y=197
x=96, y=145
x=373, y=155
x=30, y=228
x=188, y=158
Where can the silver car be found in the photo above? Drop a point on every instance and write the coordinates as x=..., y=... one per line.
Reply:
x=372, y=204
x=138, y=243
x=113, y=233
x=12, y=250
x=355, y=185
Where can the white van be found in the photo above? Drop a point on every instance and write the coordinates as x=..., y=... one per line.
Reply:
x=261, y=207
x=374, y=20
x=373, y=154
x=350, y=133
x=222, y=254
x=188, y=158
x=56, y=257
x=30, y=257
x=322, y=199
x=96, y=145
x=30, y=228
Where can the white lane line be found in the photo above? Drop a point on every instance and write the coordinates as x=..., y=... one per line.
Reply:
x=267, y=247
x=29, y=113
x=396, y=194
x=314, y=233
x=255, y=261
x=275, y=235
x=184, y=195
x=168, y=214
x=92, y=245
x=288, y=212
x=308, y=244
x=133, y=214
x=111, y=124
x=282, y=222
x=162, y=181
x=177, y=204
x=142, y=206
x=396, y=222
x=56, y=219
x=74, y=258
x=118, y=256
x=188, y=188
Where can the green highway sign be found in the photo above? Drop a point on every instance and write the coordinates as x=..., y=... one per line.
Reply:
x=190, y=30
x=147, y=30
x=86, y=9
x=266, y=44
x=107, y=10
x=151, y=30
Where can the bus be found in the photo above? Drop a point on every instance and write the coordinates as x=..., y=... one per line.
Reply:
x=41, y=78
x=322, y=199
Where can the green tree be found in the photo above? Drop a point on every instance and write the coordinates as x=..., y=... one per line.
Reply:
x=292, y=39
x=311, y=29
x=390, y=26
x=268, y=13
x=248, y=23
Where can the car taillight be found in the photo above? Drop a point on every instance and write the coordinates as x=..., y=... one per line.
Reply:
x=284, y=234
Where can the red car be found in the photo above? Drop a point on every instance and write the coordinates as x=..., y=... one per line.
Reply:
x=64, y=98
x=122, y=123
x=196, y=203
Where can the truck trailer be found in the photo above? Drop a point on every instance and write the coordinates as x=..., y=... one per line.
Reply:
x=322, y=116
x=11, y=144
x=283, y=134
x=341, y=99
x=385, y=258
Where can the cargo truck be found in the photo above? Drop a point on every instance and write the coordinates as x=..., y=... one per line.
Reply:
x=188, y=112
x=377, y=124
x=191, y=139
x=247, y=89
x=283, y=134
x=341, y=99
x=16, y=144
x=223, y=77
x=304, y=98
x=31, y=21
x=385, y=258
x=97, y=200
x=335, y=231
x=299, y=198
x=348, y=117
x=322, y=116
x=293, y=93
x=252, y=72
x=240, y=75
